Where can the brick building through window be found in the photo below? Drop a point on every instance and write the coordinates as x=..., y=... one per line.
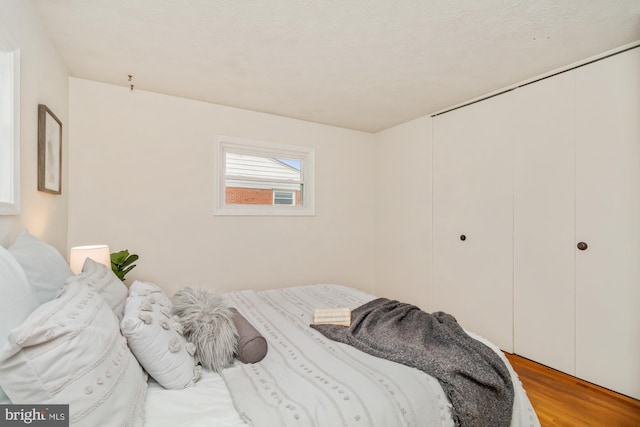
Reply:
x=256, y=180
x=260, y=196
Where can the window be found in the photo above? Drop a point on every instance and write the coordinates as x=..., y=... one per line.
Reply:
x=9, y=132
x=262, y=178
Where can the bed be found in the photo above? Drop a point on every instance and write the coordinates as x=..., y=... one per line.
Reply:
x=305, y=378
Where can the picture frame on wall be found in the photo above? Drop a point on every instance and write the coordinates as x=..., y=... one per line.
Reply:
x=49, y=151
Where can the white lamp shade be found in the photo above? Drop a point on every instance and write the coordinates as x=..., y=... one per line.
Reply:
x=98, y=253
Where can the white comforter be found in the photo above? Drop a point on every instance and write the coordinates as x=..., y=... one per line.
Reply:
x=307, y=380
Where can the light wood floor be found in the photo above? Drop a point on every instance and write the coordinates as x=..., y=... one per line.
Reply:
x=563, y=400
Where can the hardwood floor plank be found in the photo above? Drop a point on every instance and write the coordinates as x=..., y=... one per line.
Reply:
x=562, y=400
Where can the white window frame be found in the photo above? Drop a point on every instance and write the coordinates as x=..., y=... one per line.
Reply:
x=306, y=155
x=10, y=134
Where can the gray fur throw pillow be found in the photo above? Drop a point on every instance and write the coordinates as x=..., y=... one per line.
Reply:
x=207, y=323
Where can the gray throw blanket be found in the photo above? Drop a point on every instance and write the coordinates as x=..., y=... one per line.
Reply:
x=473, y=376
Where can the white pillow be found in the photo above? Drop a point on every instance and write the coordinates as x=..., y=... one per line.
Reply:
x=101, y=278
x=45, y=267
x=155, y=338
x=70, y=351
x=16, y=302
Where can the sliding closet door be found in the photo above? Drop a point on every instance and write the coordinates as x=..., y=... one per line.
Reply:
x=473, y=218
x=544, y=222
x=608, y=222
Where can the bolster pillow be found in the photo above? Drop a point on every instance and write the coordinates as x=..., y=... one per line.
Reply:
x=252, y=347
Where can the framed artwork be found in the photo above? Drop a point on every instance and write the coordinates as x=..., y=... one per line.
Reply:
x=49, y=151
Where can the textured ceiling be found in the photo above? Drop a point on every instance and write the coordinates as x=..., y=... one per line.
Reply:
x=360, y=64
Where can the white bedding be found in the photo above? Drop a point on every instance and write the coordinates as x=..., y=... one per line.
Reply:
x=282, y=316
x=207, y=404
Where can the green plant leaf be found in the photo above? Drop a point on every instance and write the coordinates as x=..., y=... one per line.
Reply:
x=131, y=259
x=119, y=257
x=122, y=263
x=126, y=270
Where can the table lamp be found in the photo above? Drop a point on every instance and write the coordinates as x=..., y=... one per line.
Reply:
x=98, y=253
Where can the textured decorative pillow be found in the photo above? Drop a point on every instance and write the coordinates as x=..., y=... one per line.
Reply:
x=154, y=337
x=101, y=278
x=252, y=347
x=70, y=351
x=208, y=323
x=16, y=302
x=45, y=267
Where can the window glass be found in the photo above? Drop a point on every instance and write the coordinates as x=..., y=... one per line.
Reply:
x=262, y=178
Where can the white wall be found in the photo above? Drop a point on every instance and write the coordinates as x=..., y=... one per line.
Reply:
x=141, y=178
x=43, y=80
x=403, y=212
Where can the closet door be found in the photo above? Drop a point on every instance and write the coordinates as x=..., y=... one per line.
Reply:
x=473, y=218
x=608, y=221
x=544, y=222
